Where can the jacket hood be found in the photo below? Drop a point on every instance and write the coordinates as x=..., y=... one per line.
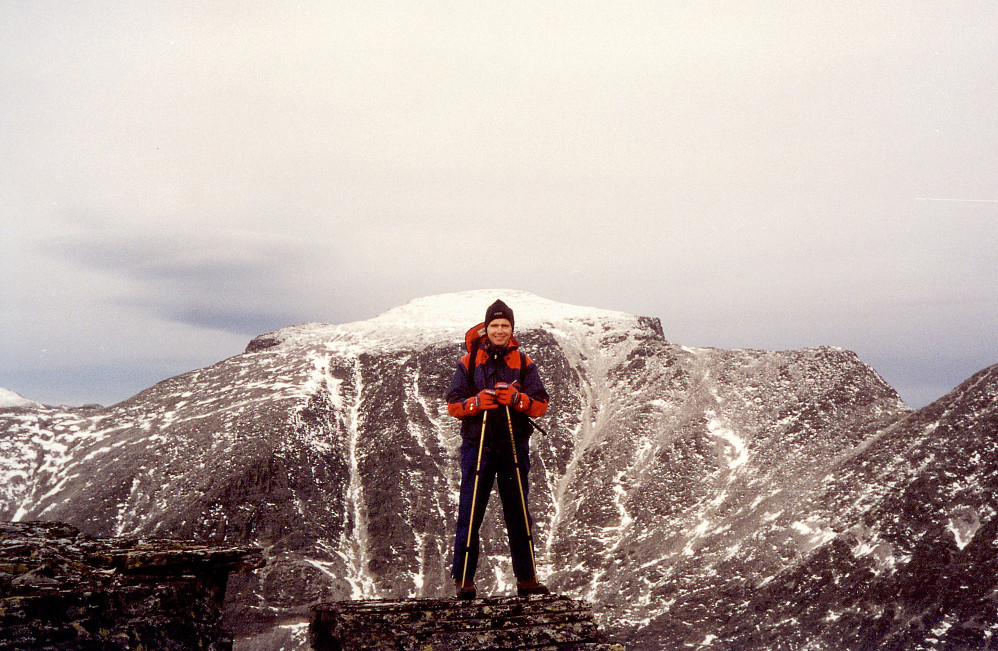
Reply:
x=477, y=333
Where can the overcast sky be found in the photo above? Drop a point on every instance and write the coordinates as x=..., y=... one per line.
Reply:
x=177, y=177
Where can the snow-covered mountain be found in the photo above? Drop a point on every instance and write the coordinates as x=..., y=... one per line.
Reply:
x=694, y=495
x=9, y=399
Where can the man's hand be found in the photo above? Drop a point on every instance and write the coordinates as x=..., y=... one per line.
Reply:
x=507, y=394
x=482, y=401
x=485, y=400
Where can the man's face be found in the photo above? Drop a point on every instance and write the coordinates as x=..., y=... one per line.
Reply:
x=499, y=331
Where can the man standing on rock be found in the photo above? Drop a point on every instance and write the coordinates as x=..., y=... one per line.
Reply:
x=495, y=392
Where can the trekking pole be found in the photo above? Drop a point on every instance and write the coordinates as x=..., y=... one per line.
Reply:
x=536, y=426
x=474, y=496
x=523, y=499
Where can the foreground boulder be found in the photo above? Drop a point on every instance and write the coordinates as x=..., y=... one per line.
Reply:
x=62, y=590
x=543, y=622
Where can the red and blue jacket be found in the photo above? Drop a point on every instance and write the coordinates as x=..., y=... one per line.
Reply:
x=491, y=367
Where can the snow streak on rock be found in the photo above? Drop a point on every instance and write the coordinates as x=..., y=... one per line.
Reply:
x=354, y=540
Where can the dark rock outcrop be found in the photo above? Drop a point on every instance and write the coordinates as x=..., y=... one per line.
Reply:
x=60, y=590
x=545, y=622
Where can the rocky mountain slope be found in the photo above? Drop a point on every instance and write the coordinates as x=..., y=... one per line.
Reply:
x=691, y=494
x=61, y=591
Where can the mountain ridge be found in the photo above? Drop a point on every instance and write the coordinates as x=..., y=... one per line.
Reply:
x=669, y=472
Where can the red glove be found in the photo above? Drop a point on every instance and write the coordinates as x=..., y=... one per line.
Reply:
x=507, y=394
x=484, y=400
x=523, y=403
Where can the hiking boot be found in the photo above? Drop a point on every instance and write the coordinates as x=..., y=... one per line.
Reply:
x=529, y=587
x=465, y=590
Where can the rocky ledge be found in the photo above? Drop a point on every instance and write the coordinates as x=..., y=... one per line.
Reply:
x=544, y=622
x=62, y=590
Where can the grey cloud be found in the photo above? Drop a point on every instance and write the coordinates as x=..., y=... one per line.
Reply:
x=226, y=280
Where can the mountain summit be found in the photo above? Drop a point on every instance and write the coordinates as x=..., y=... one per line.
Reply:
x=684, y=491
x=441, y=319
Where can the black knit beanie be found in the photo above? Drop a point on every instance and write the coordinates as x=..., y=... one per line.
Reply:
x=498, y=310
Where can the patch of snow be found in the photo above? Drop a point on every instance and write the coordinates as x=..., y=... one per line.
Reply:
x=813, y=535
x=717, y=428
x=19, y=515
x=419, y=578
x=462, y=310
x=10, y=399
x=867, y=543
x=298, y=636
x=941, y=629
x=445, y=319
x=323, y=566
x=356, y=540
x=963, y=523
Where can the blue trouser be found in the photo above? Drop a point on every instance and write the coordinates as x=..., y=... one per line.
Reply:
x=497, y=464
